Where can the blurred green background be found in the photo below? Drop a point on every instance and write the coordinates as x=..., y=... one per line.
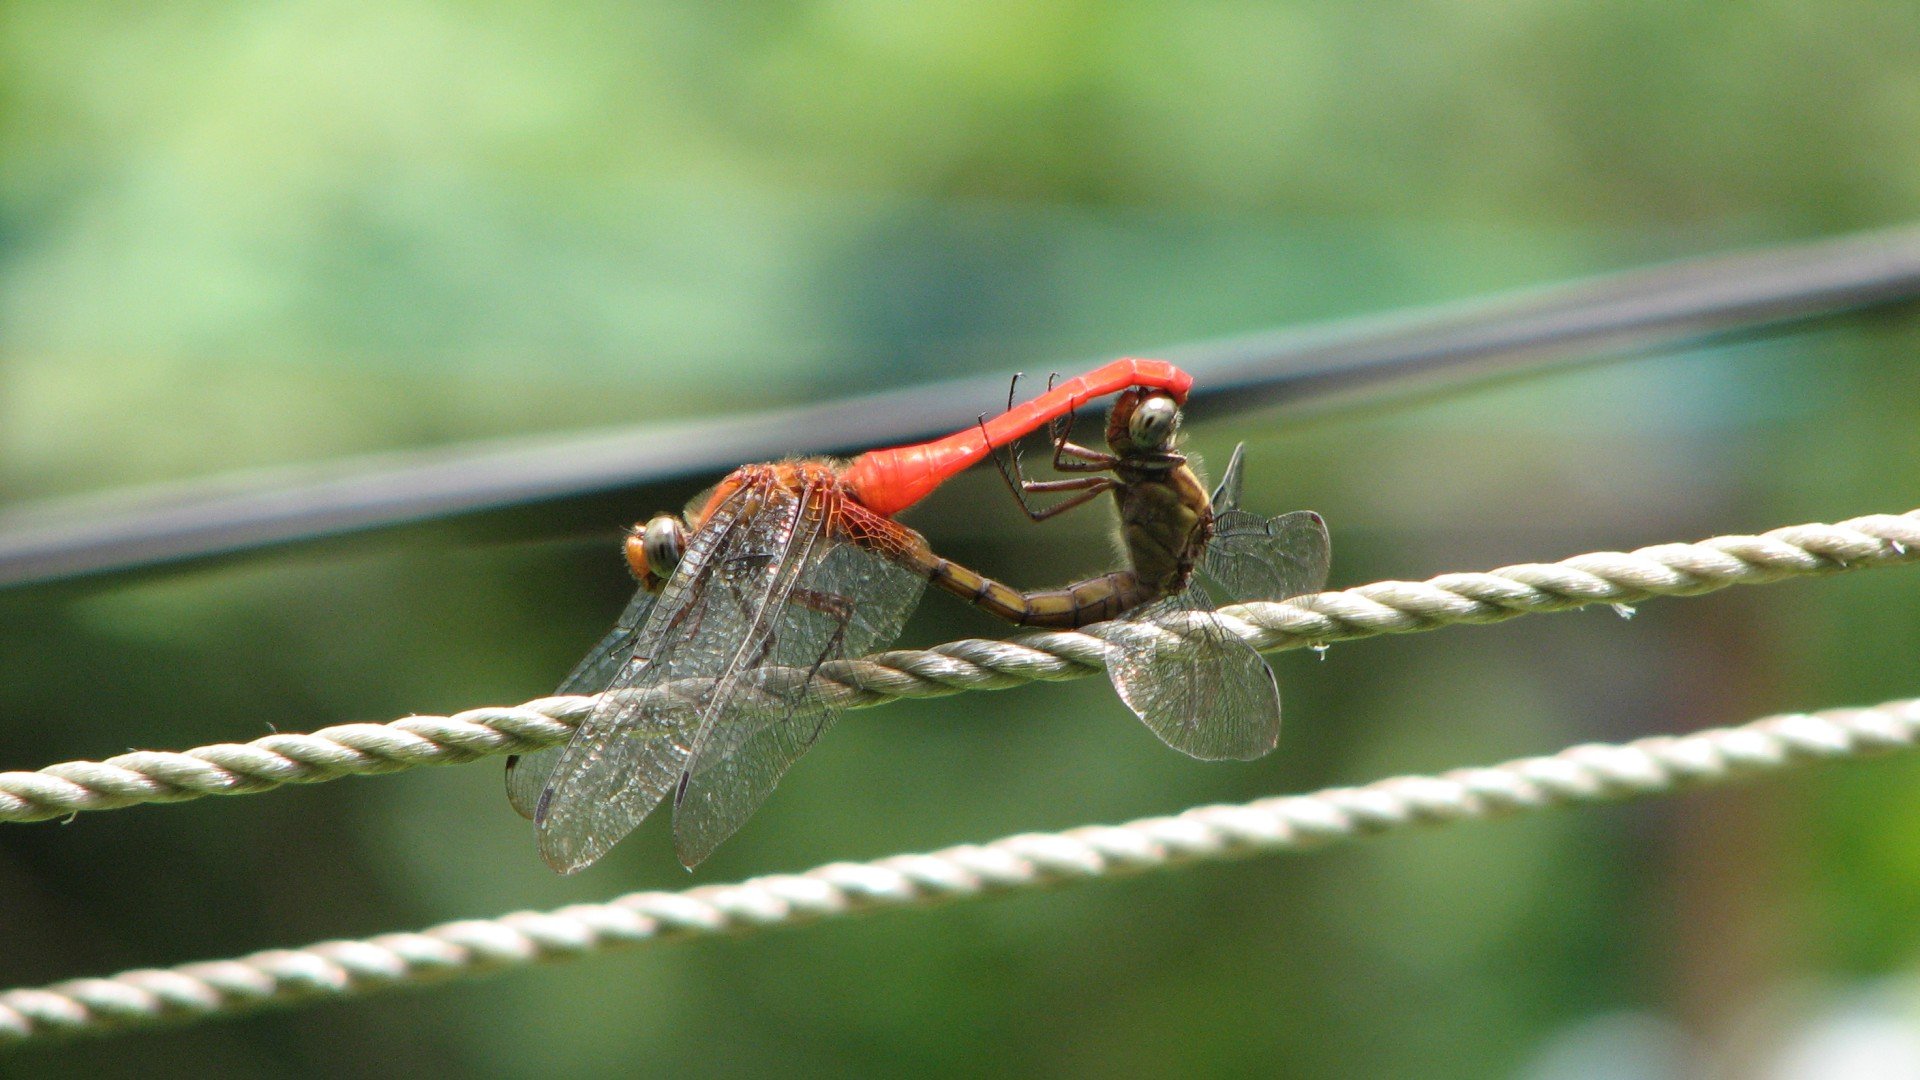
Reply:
x=251, y=234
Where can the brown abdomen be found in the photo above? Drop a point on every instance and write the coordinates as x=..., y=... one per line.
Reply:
x=1082, y=603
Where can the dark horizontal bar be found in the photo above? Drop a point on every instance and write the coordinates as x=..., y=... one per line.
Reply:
x=1636, y=309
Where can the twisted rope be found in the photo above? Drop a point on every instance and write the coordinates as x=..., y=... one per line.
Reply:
x=1386, y=607
x=343, y=969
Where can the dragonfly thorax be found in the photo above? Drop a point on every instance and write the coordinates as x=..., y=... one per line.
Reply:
x=1165, y=520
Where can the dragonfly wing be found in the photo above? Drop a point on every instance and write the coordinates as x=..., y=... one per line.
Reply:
x=1226, y=496
x=597, y=669
x=843, y=600
x=1204, y=692
x=632, y=749
x=1209, y=695
x=527, y=773
x=1256, y=558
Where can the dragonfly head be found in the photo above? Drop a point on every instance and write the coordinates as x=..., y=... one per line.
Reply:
x=654, y=549
x=1143, y=422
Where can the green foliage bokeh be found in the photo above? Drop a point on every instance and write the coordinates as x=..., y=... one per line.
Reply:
x=237, y=235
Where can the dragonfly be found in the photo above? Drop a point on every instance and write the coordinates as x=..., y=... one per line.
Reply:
x=1190, y=679
x=706, y=682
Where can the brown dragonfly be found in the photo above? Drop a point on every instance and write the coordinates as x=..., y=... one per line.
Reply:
x=706, y=683
x=1195, y=684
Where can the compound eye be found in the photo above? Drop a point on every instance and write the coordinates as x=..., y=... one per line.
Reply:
x=1153, y=423
x=664, y=541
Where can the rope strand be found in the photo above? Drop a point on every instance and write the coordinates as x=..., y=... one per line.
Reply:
x=343, y=969
x=1386, y=607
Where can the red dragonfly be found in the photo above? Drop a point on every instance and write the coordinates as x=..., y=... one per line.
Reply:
x=781, y=568
x=1195, y=684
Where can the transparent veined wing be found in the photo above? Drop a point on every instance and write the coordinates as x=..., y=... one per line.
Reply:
x=527, y=773
x=597, y=669
x=1256, y=558
x=1207, y=693
x=846, y=599
x=1197, y=686
x=1226, y=494
x=631, y=752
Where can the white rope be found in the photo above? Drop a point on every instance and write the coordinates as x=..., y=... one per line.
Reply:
x=1387, y=607
x=344, y=969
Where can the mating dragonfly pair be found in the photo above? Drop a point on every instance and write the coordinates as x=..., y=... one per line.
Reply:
x=709, y=685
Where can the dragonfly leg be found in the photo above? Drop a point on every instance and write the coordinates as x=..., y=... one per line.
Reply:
x=1064, y=420
x=835, y=607
x=1059, y=429
x=1065, y=453
x=1071, y=483
x=1011, y=472
x=1069, y=456
x=1090, y=488
x=840, y=610
x=743, y=600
